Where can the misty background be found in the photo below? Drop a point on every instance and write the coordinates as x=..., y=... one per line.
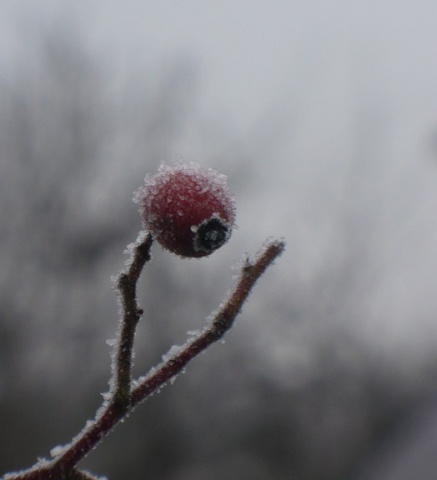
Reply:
x=323, y=115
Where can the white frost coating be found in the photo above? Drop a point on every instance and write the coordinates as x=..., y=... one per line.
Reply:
x=193, y=333
x=41, y=463
x=106, y=396
x=111, y=342
x=93, y=476
x=174, y=350
x=114, y=280
x=214, y=313
x=204, y=179
x=58, y=450
x=88, y=425
x=129, y=248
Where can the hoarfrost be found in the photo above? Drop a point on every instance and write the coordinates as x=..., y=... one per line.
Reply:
x=111, y=342
x=193, y=333
x=129, y=248
x=114, y=280
x=58, y=450
x=106, y=396
x=210, y=318
x=93, y=476
x=41, y=463
x=202, y=181
x=174, y=350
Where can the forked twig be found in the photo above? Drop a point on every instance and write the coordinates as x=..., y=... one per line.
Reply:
x=127, y=286
x=123, y=397
x=221, y=322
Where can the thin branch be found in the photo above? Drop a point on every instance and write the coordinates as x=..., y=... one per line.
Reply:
x=127, y=284
x=62, y=467
x=220, y=324
x=123, y=399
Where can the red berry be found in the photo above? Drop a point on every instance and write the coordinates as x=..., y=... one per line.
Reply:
x=188, y=209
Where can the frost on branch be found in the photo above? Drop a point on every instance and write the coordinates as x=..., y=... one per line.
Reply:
x=187, y=188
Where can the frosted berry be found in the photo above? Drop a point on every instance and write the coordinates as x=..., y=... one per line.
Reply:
x=188, y=209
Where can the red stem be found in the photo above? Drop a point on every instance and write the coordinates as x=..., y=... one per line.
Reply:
x=63, y=467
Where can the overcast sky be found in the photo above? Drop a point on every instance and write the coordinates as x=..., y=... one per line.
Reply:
x=341, y=76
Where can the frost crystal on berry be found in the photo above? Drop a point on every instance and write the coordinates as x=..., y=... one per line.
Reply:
x=188, y=209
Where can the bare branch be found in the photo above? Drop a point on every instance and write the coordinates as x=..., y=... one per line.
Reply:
x=220, y=324
x=127, y=284
x=123, y=399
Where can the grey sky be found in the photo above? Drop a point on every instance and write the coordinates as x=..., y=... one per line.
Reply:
x=330, y=71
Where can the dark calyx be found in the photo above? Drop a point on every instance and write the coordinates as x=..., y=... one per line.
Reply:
x=211, y=234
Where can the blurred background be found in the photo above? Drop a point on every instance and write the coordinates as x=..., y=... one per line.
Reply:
x=323, y=114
